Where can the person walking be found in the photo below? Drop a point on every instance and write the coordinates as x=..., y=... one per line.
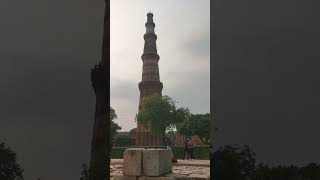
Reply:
x=168, y=143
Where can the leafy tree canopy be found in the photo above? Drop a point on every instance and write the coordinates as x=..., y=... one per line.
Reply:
x=238, y=162
x=159, y=113
x=123, y=139
x=9, y=168
x=196, y=125
x=84, y=172
x=234, y=162
x=114, y=127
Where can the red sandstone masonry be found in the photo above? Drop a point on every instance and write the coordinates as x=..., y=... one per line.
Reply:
x=150, y=83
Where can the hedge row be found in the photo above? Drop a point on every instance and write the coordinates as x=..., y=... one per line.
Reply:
x=199, y=152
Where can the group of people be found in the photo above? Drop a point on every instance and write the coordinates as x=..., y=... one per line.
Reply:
x=188, y=148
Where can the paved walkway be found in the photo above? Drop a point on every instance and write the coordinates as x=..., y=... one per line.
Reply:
x=194, y=162
x=181, y=162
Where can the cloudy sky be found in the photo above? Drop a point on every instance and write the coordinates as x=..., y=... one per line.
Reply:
x=183, y=45
x=265, y=71
x=266, y=78
x=47, y=49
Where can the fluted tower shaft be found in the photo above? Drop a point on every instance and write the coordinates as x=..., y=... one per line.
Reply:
x=150, y=83
x=100, y=144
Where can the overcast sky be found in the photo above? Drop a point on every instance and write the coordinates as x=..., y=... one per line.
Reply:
x=266, y=78
x=47, y=49
x=183, y=45
x=265, y=71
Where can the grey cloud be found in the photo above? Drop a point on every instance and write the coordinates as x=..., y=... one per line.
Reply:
x=46, y=114
x=189, y=91
x=125, y=89
x=197, y=45
x=42, y=88
x=47, y=103
x=42, y=142
x=265, y=73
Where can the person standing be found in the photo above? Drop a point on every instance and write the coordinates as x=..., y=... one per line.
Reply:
x=190, y=148
x=186, y=149
x=168, y=144
x=174, y=159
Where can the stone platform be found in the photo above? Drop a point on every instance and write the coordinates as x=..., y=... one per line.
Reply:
x=181, y=162
x=187, y=169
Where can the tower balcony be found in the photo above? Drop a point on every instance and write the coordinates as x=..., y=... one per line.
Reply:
x=150, y=56
x=151, y=36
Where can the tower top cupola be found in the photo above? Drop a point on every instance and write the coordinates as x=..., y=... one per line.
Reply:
x=150, y=24
x=150, y=47
x=150, y=14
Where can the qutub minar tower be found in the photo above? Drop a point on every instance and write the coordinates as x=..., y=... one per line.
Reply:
x=100, y=144
x=150, y=84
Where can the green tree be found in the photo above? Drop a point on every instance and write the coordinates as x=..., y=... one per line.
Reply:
x=196, y=124
x=237, y=162
x=123, y=139
x=114, y=127
x=159, y=113
x=234, y=162
x=132, y=132
x=9, y=168
x=84, y=172
x=311, y=171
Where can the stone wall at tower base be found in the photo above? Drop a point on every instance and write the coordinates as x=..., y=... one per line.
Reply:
x=183, y=170
x=157, y=162
x=144, y=137
x=132, y=161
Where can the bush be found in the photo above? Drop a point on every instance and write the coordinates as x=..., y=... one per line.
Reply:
x=117, y=152
x=123, y=139
x=199, y=152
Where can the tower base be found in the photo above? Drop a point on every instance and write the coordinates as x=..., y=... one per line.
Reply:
x=145, y=137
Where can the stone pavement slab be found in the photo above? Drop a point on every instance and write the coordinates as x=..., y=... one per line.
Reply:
x=156, y=178
x=125, y=178
x=116, y=161
x=195, y=162
x=185, y=169
x=184, y=172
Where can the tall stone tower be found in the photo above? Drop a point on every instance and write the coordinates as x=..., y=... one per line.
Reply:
x=100, y=144
x=150, y=83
